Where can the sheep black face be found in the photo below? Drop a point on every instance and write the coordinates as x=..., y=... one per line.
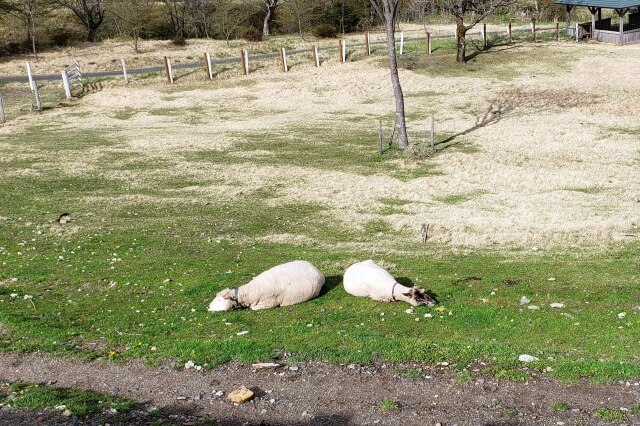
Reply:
x=418, y=296
x=224, y=301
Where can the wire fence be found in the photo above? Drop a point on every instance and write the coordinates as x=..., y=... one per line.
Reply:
x=343, y=50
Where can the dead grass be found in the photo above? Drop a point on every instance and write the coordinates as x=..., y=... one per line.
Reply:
x=521, y=176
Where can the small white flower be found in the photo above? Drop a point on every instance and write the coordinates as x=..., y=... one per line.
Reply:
x=428, y=316
x=241, y=333
x=409, y=311
x=27, y=297
x=13, y=295
x=622, y=315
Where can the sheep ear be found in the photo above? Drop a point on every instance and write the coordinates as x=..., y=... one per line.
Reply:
x=408, y=294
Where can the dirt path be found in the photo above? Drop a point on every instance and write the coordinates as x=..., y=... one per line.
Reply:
x=317, y=393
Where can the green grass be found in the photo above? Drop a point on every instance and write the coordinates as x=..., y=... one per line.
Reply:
x=501, y=61
x=610, y=415
x=99, y=290
x=389, y=405
x=315, y=147
x=464, y=377
x=79, y=402
x=454, y=199
x=560, y=406
x=413, y=373
x=587, y=189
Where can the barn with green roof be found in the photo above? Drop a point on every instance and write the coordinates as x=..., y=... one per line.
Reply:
x=623, y=30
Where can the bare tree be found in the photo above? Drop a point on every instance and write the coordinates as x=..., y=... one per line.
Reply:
x=177, y=14
x=198, y=15
x=89, y=12
x=478, y=10
x=387, y=11
x=270, y=7
x=132, y=17
x=26, y=10
x=230, y=17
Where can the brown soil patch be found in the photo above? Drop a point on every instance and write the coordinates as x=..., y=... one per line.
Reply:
x=320, y=394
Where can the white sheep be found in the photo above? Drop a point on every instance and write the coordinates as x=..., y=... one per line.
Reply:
x=282, y=285
x=367, y=279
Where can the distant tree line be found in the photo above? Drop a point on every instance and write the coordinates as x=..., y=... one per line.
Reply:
x=27, y=25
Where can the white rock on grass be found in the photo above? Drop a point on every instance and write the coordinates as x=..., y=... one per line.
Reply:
x=527, y=358
x=265, y=365
x=524, y=300
x=557, y=305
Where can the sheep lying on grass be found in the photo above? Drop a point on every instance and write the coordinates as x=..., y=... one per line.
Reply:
x=282, y=285
x=367, y=279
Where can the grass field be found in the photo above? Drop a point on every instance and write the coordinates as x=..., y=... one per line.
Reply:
x=176, y=193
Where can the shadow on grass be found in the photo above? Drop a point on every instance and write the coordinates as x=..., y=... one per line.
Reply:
x=330, y=283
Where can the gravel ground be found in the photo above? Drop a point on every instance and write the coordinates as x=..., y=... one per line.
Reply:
x=317, y=393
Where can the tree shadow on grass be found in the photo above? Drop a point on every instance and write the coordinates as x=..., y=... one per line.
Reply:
x=496, y=111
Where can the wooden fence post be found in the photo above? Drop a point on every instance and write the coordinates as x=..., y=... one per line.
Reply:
x=577, y=31
x=509, y=33
x=207, y=65
x=283, y=60
x=36, y=95
x=30, y=75
x=65, y=84
x=124, y=71
x=168, y=70
x=401, y=42
x=367, y=43
x=484, y=35
x=314, y=55
x=343, y=50
x=244, y=61
x=557, y=31
x=428, y=46
x=3, y=118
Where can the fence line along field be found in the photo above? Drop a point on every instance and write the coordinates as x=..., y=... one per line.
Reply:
x=177, y=191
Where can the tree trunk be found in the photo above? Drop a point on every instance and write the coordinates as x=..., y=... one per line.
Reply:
x=403, y=138
x=91, y=36
x=461, y=44
x=266, y=23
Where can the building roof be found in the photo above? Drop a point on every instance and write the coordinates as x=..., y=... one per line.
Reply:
x=605, y=4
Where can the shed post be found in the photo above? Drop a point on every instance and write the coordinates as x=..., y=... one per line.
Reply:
x=593, y=11
x=621, y=13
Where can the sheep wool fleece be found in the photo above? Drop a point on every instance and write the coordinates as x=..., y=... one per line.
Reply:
x=283, y=285
x=367, y=279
